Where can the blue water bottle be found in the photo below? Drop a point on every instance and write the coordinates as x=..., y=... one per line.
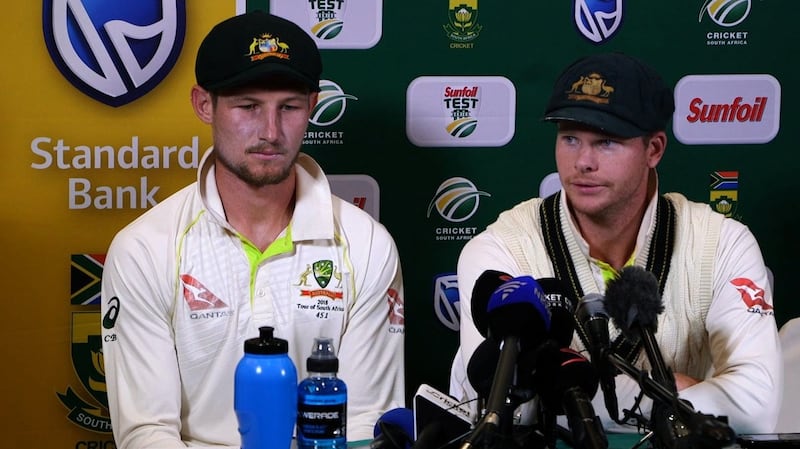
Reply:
x=322, y=401
x=265, y=393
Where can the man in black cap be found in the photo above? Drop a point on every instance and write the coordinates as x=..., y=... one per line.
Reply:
x=258, y=240
x=717, y=333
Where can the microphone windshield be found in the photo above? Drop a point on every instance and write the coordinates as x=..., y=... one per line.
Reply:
x=394, y=429
x=517, y=308
x=482, y=365
x=560, y=371
x=633, y=301
x=485, y=285
x=561, y=306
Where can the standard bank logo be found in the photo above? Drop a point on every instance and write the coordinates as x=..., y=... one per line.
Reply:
x=446, y=300
x=597, y=20
x=460, y=111
x=114, y=52
x=335, y=23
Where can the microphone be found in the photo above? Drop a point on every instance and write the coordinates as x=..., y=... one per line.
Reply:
x=481, y=366
x=393, y=430
x=440, y=421
x=634, y=303
x=561, y=305
x=573, y=381
x=516, y=314
x=484, y=286
x=593, y=318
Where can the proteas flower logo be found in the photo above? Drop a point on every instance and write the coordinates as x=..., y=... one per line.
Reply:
x=463, y=18
x=331, y=105
x=726, y=13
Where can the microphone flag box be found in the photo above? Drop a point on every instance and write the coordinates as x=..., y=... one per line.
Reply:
x=432, y=407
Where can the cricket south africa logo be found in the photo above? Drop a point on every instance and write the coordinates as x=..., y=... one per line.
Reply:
x=597, y=20
x=725, y=13
x=88, y=406
x=331, y=104
x=456, y=200
x=114, y=52
x=462, y=23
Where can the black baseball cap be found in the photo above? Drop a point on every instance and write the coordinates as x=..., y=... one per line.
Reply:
x=613, y=92
x=253, y=46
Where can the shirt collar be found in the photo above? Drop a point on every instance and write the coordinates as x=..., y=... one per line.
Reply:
x=313, y=211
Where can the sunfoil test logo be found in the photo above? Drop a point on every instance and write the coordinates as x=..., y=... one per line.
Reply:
x=727, y=14
x=456, y=200
x=114, y=52
x=460, y=111
x=597, y=20
x=335, y=23
x=330, y=108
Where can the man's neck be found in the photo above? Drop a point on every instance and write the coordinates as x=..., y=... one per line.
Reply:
x=260, y=214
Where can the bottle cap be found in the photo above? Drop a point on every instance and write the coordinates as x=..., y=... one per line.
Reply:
x=266, y=343
x=323, y=357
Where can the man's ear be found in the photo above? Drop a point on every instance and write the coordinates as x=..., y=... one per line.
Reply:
x=656, y=145
x=203, y=104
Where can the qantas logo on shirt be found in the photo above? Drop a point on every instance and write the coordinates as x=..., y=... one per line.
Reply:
x=198, y=296
x=752, y=296
x=397, y=311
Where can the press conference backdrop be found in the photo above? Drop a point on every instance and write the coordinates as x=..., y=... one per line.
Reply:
x=429, y=120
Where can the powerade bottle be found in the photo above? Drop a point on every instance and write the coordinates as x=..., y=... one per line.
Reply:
x=265, y=393
x=322, y=401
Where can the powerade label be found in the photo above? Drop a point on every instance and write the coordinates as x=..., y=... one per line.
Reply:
x=325, y=421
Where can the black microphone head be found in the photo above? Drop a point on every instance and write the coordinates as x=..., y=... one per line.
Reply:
x=485, y=285
x=593, y=319
x=394, y=429
x=482, y=365
x=561, y=304
x=561, y=371
x=517, y=309
x=633, y=301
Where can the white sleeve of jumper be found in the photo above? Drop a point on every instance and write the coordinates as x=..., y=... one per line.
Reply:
x=141, y=371
x=747, y=382
x=483, y=252
x=371, y=353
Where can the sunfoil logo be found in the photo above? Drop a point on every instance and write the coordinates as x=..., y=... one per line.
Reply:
x=726, y=13
x=114, y=52
x=727, y=109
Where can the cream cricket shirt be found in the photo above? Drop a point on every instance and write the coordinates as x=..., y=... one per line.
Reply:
x=182, y=292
